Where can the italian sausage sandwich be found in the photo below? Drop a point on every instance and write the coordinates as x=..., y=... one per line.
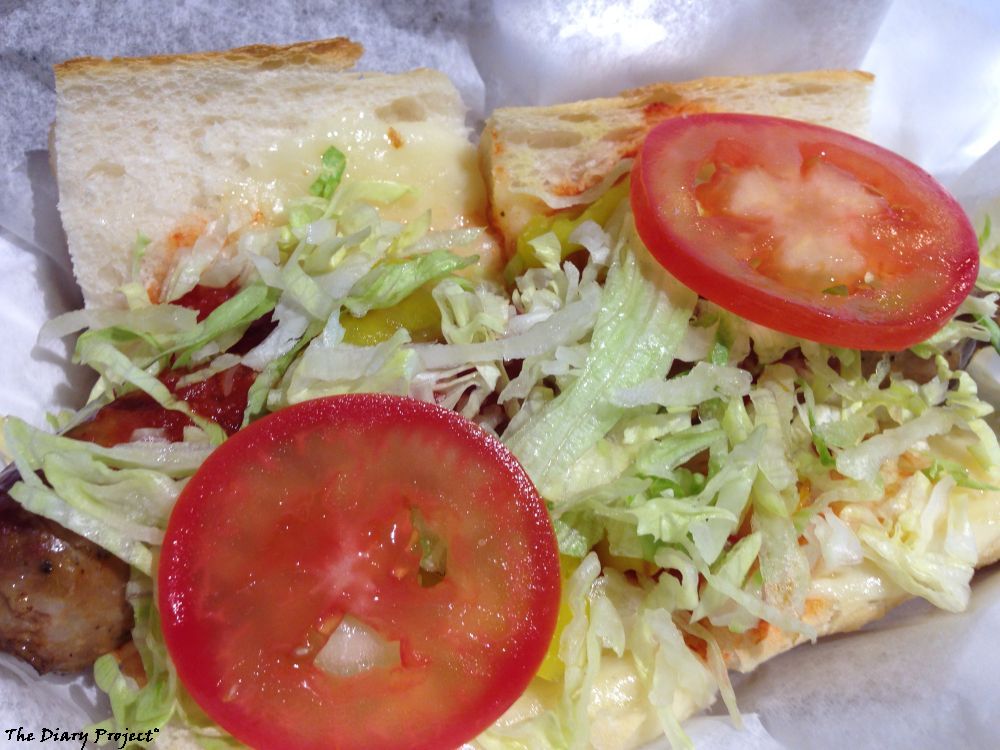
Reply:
x=397, y=444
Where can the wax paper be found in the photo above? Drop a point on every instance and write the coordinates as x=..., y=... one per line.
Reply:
x=917, y=679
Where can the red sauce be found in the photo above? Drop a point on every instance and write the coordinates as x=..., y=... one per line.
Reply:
x=204, y=299
x=221, y=398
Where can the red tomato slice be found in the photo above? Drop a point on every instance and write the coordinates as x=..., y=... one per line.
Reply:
x=803, y=229
x=319, y=511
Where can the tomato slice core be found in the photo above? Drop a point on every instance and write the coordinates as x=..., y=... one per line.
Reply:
x=338, y=507
x=803, y=229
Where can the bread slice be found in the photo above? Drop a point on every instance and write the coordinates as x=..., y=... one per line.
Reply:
x=541, y=159
x=162, y=146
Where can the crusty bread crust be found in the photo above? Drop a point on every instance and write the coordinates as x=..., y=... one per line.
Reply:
x=339, y=53
x=541, y=159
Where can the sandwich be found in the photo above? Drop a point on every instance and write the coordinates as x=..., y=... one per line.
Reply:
x=720, y=490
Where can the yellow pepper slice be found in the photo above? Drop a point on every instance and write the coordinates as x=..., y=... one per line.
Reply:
x=418, y=313
x=552, y=666
x=562, y=225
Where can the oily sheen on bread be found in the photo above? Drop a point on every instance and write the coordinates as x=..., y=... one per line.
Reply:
x=165, y=145
x=546, y=160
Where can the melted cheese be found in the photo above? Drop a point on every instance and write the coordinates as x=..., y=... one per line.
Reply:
x=439, y=165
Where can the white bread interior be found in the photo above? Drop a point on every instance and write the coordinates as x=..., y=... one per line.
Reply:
x=541, y=159
x=158, y=145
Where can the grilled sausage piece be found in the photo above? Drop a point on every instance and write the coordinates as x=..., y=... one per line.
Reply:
x=62, y=598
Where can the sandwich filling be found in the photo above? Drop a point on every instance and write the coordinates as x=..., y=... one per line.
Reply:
x=716, y=487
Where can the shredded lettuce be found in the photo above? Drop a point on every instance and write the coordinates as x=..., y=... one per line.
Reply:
x=989, y=259
x=329, y=367
x=839, y=544
x=388, y=284
x=929, y=549
x=565, y=326
x=471, y=315
x=120, y=498
x=230, y=319
x=153, y=704
x=118, y=369
x=784, y=568
x=864, y=460
x=733, y=569
x=334, y=163
x=640, y=324
x=559, y=236
x=703, y=382
x=160, y=698
x=155, y=320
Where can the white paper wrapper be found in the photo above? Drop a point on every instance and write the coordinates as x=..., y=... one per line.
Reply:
x=919, y=678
